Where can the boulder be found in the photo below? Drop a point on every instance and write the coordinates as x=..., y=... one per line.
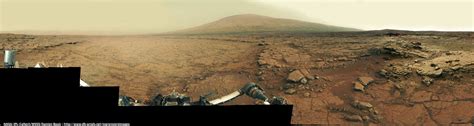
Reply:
x=290, y=91
x=295, y=76
x=362, y=105
x=383, y=72
x=433, y=72
x=366, y=118
x=304, y=81
x=358, y=86
x=365, y=80
x=356, y=118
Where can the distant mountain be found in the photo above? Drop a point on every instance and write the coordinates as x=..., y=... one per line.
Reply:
x=250, y=23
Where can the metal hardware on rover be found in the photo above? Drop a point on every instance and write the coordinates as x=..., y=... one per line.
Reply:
x=9, y=59
x=175, y=99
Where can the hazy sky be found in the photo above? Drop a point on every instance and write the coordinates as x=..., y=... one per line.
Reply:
x=154, y=16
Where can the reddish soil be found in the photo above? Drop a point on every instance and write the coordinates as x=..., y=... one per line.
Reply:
x=144, y=66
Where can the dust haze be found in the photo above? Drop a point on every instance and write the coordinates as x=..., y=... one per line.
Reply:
x=121, y=17
x=157, y=16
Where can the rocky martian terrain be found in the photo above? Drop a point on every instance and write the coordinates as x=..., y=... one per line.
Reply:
x=349, y=78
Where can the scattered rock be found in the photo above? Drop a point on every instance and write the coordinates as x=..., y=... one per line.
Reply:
x=278, y=65
x=300, y=86
x=455, y=62
x=399, y=86
x=186, y=88
x=262, y=62
x=366, y=118
x=288, y=86
x=427, y=80
x=342, y=59
x=405, y=49
x=307, y=94
x=290, y=91
x=275, y=69
x=361, y=105
x=356, y=118
x=295, y=76
x=259, y=73
x=291, y=59
x=395, y=71
x=376, y=118
x=434, y=98
x=306, y=73
x=358, y=86
x=372, y=110
x=383, y=72
x=365, y=80
x=268, y=62
x=433, y=72
x=304, y=81
x=457, y=76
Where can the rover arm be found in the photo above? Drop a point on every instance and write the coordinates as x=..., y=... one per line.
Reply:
x=252, y=90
